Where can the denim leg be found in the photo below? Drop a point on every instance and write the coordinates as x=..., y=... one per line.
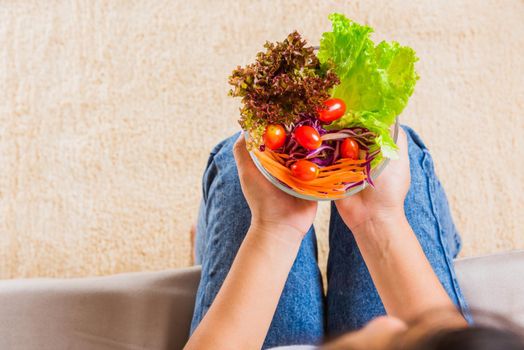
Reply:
x=352, y=299
x=223, y=221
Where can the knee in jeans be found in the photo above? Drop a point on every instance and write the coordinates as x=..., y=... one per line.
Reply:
x=225, y=152
x=412, y=135
x=224, y=143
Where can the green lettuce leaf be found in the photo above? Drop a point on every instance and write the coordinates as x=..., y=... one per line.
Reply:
x=376, y=81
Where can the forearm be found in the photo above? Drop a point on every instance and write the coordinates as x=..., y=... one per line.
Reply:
x=399, y=268
x=241, y=313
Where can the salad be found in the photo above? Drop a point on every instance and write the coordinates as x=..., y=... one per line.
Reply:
x=319, y=119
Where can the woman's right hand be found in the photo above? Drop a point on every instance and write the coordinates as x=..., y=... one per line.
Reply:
x=386, y=200
x=272, y=210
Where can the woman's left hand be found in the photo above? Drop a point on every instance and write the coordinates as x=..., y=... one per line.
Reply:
x=272, y=210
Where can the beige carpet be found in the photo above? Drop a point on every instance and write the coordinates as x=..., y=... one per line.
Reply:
x=109, y=108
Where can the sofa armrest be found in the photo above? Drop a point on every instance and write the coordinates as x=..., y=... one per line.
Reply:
x=150, y=310
x=494, y=283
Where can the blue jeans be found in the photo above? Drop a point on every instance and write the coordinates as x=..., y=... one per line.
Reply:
x=304, y=315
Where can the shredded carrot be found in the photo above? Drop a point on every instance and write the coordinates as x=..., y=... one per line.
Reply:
x=330, y=182
x=281, y=155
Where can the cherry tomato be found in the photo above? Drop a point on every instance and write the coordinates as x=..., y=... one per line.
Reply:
x=308, y=137
x=334, y=109
x=349, y=149
x=275, y=136
x=304, y=170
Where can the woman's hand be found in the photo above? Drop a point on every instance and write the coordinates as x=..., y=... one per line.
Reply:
x=403, y=276
x=241, y=314
x=386, y=200
x=272, y=210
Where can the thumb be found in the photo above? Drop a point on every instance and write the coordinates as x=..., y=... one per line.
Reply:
x=242, y=157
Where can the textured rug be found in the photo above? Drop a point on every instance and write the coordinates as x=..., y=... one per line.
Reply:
x=108, y=110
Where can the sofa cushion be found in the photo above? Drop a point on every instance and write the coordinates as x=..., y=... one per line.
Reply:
x=149, y=310
x=494, y=283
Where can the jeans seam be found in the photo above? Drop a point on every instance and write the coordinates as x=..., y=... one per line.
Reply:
x=458, y=242
x=434, y=210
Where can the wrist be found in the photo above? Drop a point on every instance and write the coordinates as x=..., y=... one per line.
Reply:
x=382, y=234
x=285, y=233
x=381, y=223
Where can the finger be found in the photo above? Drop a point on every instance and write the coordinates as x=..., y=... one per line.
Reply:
x=402, y=142
x=239, y=149
x=242, y=157
x=403, y=156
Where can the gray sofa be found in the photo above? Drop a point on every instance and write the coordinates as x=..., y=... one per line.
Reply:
x=152, y=310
